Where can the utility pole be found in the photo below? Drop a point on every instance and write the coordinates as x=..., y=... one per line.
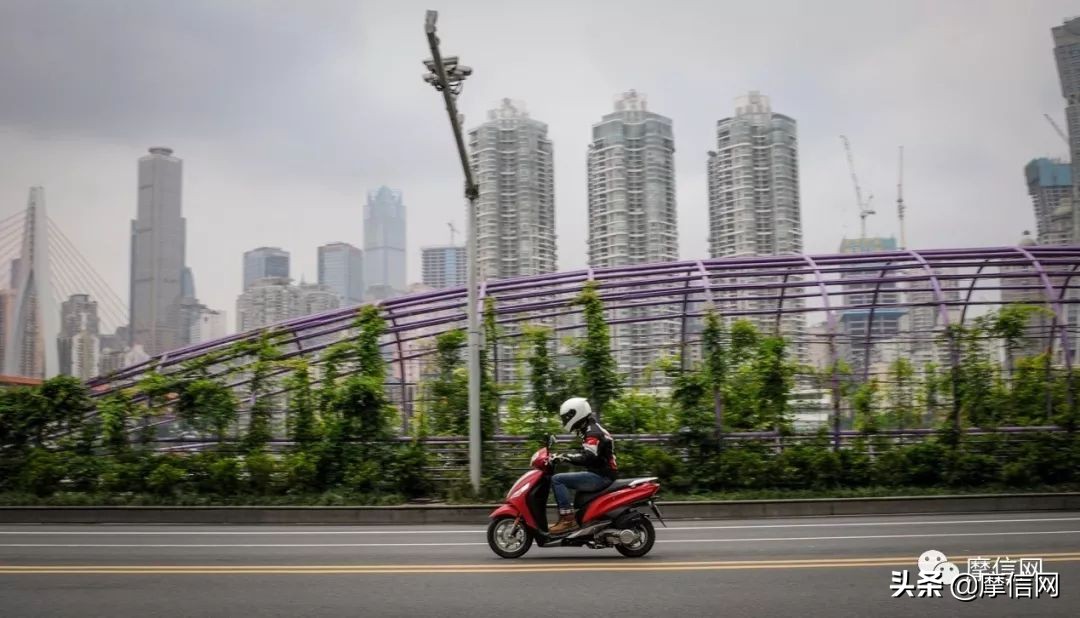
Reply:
x=900, y=200
x=447, y=77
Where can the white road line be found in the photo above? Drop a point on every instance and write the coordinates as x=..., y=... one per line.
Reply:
x=755, y=540
x=481, y=530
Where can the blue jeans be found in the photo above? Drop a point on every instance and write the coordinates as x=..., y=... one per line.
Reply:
x=579, y=481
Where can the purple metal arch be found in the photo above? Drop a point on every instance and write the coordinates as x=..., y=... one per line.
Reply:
x=426, y=314
x=706, y=287
x=1061, y=297
x=1055, y=303
x=935, y=284
x=870, y=322
x=830, y=330
x=971, y=289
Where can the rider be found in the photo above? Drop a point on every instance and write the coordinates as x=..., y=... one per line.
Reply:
x=597, y=456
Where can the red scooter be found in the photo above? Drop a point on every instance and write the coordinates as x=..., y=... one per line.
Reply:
x=607, y=518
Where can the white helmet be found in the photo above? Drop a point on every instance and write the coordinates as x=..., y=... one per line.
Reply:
x=573, y=411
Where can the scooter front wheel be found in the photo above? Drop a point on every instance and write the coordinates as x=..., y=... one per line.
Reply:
x=508, y=537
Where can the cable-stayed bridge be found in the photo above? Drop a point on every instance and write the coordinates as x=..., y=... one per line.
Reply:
x=54, y=307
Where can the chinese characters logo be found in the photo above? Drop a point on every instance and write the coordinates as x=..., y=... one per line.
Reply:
x=1021, y=578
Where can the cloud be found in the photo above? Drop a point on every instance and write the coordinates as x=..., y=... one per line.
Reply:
x=287, y=113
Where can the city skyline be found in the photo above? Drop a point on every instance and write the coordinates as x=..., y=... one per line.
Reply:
x=88, y=188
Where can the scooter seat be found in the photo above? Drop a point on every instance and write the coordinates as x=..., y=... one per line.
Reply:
x=582, y=498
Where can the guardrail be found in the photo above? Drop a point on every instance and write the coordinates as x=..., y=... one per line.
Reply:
x=477, y=514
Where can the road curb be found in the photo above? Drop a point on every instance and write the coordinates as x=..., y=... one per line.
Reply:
x=476, y=514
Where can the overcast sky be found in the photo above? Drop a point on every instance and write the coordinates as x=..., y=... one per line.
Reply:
x=287, y=113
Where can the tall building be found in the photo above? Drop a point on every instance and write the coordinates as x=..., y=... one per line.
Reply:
x=157, y=255
x=753, y=180
x=753, y=189
x=267, y=302
x=113, y=348
x=384, y=244
x=632, y=216
x=1067, y=52
x=862, y=342
x=265, y=262
x=79, y=343
x=1048, y=181
x=631, y=168
x=317, y=298
x=512, y=159
x=341, y=269
x=444, y=267
x=207, y=326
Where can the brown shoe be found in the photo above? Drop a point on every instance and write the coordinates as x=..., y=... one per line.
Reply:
x=566, y=524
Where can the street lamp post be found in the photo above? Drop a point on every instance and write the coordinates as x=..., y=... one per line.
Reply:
x=447, y=76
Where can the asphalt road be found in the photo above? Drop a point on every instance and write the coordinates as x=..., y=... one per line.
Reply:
x=837, y=566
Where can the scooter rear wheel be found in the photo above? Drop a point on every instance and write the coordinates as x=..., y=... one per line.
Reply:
x=646, y=536
x=507, y=542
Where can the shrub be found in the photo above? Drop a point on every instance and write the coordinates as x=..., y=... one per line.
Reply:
x=165, y=479
x=84, y=472
x=260, y=470
x=855, y=467
x=121, y=476
x=740, y=467
x=363, y=476
x=42, y=473
x=301, y=472
x=225, y=476
x=967, y=469
x=1018, y=474
x=925, y=464
x=409, y=471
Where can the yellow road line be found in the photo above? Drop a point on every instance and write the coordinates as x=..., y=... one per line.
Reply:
x=523, y=567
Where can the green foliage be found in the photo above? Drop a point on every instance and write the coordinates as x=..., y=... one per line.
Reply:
x=774, y=375
x=549, y=386
x=260, y=412
x=900, y=395
x=115, y=410
x=408, y=473
x=261, y=469
x=224, y=476
x=301, y=471
x=863, y=404
x=978, y=387
x=165, y=478
x=303, y=425
x=42, y=472
x=208, y=406
x=599, y=376
x=448, y=393
x=362, y=409
x=637, y=412
x=368, y=356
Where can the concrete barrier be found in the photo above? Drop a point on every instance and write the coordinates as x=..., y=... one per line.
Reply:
x=477, y=514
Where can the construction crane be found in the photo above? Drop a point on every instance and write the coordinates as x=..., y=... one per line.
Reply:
x=1057, y=129
x=900, y=198
x=453, y=232
x=864, y=207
